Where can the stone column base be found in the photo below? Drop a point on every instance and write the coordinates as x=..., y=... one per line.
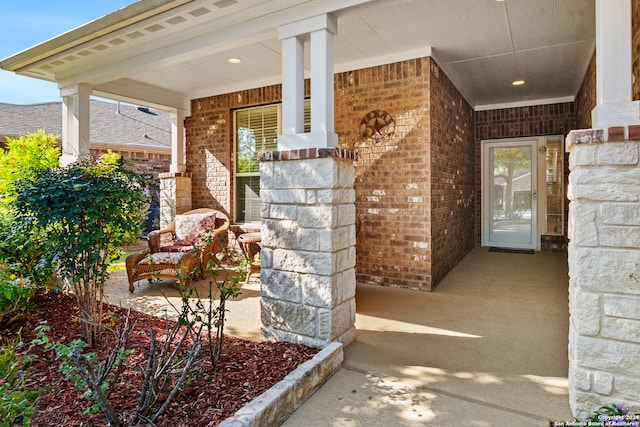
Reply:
x=308, y=246
x=604, y=269
x=175, y=195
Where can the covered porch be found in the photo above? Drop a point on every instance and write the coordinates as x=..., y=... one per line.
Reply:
x=488, y=347
x=416, y=88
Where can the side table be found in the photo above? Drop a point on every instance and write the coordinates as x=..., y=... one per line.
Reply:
x=250, y=245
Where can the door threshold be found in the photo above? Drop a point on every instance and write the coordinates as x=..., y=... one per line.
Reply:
x=512, y=251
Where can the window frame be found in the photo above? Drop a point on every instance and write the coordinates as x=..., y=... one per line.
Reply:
x=255, y=174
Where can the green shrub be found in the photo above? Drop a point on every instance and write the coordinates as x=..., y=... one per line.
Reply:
x=24, y=248
x=85, y=210
x=22, y=158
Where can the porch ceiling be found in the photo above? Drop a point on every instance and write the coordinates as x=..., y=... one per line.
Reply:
x=166, y=52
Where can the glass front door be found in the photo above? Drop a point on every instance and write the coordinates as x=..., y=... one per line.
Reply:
x=510, y=194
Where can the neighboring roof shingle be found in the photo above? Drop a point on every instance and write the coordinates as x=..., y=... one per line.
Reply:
x=110, y=126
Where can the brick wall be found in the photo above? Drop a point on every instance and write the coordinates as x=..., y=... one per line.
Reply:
x=517, y=122
x=635, y=46
x=393, y=174
x=417, y=191
x=141, y=161
x=452, y=175
x=586, y=97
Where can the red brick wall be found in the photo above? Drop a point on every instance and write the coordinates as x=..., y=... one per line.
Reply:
x=452, y=175
x=635, y=46
x=392, y=174
x=140, y=161
x=516, y=122
x=586, y=97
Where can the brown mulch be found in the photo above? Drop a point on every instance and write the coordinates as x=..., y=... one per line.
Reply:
x=246, y=370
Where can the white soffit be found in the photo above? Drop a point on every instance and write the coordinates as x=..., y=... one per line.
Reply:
x=482, y=45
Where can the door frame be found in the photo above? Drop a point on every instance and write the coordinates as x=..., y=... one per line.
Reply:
x=538, y=204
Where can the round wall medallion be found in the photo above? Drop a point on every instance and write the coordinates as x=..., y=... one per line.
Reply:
x=377, y=124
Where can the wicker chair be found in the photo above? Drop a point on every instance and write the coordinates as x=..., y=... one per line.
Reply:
x=186, y=243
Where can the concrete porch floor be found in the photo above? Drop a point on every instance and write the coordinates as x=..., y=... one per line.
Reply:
x=487, y=348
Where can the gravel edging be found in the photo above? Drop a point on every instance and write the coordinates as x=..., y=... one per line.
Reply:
x=273, y=406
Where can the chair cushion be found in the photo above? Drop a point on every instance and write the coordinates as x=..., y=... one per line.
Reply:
x=176, y=248
x=168, y=258
x=190, y=227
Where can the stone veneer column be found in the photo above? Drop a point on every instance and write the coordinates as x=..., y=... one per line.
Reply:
x=175, y=195
x=604, y=269
x=308, y=246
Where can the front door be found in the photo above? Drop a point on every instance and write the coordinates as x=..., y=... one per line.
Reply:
x=509, y=196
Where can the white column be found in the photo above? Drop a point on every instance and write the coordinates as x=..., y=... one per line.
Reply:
x=322, y=91
x=76, y=130
x=613, y=66
x=177, y=141
x=293, y=85
x=321, y=30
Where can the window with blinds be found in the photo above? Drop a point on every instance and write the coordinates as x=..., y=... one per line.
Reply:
x=248, y=197
x=256, y=130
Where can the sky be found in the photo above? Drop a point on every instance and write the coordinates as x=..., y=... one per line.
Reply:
x=26, y=23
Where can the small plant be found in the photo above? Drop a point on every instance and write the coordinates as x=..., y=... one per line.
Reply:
x=215, y=317
x=209, y=309
x=85, y=370
x=169, y=365
x=612, y=415
x=15, y=293
x=16, y=405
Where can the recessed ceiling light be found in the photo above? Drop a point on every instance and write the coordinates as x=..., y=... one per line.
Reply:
x=517, y=82
x=234, y=60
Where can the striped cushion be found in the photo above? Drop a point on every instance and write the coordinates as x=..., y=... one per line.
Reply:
x=169, y=258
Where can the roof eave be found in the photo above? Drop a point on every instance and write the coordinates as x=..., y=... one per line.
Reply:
x=114, y=21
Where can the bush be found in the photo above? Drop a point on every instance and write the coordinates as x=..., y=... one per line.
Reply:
x=24, y=248
x=86, y=210
x=23, y=157
x=20, y=247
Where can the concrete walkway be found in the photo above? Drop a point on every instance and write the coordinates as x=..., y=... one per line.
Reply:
x=487, y=348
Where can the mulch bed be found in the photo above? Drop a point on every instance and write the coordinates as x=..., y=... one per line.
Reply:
x=246, y=370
